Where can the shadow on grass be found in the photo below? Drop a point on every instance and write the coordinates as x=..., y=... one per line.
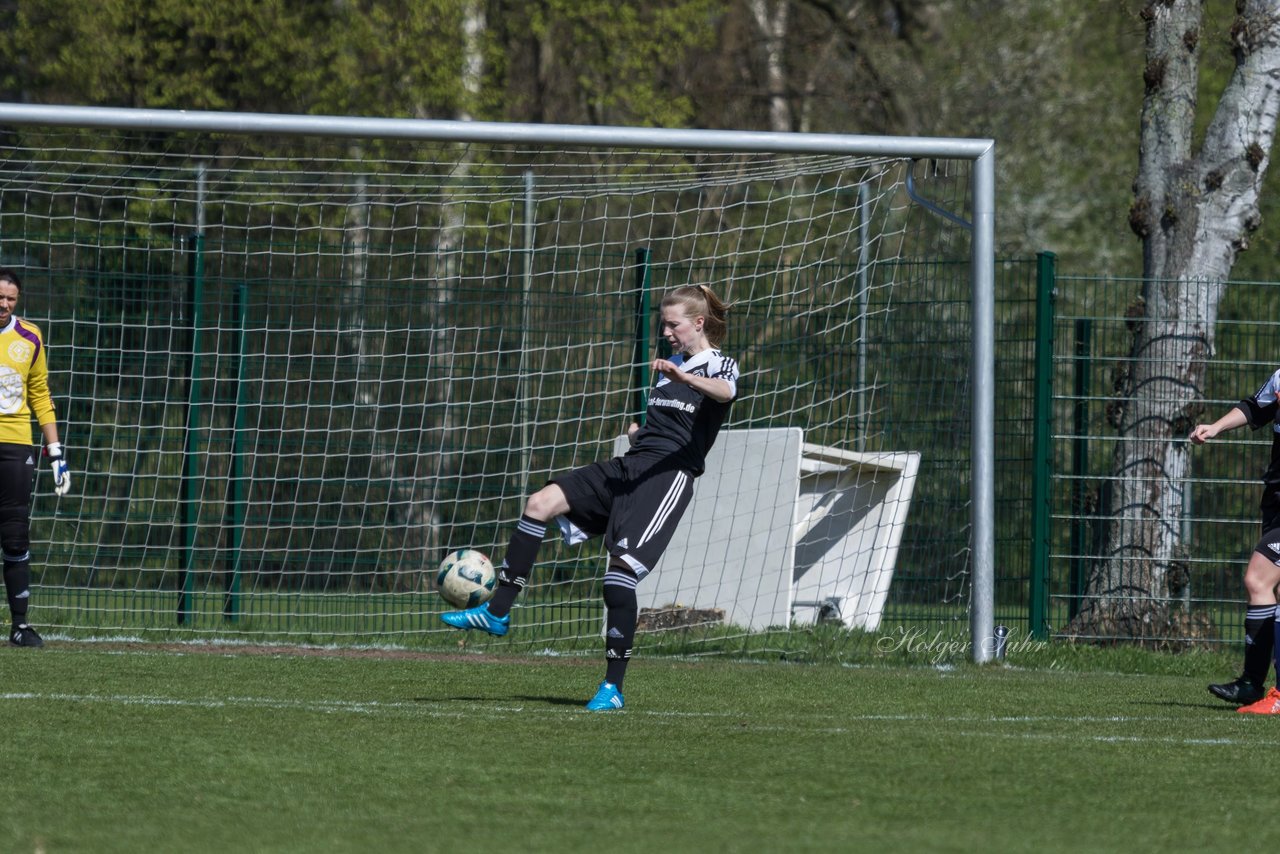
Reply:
x=553, y=701
x=526, y=698
x=1179, y=704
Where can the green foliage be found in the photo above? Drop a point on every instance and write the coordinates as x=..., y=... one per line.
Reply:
x=1058, y=86
x=400, y=58
x=403, y=58
x=620, y=49
x=241, y=54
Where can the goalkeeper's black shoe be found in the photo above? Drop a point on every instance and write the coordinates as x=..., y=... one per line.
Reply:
x=1240, y=692
x=24, y=635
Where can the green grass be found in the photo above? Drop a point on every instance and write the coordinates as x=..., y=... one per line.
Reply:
x=138, y=748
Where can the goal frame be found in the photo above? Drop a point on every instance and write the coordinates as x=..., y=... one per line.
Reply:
x=981, y=152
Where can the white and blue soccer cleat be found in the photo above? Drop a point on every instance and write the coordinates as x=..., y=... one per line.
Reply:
x=607, y=699
x=478, y=618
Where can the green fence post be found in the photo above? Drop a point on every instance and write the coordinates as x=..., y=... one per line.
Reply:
x=643, y=357
x=1042, y=446
x=1080, y=461
x=237, y=488
x=191, y=464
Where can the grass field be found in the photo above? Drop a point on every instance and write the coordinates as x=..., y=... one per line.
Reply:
x=139, y=748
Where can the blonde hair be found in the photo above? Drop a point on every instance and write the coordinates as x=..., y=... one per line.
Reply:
x=700, y=300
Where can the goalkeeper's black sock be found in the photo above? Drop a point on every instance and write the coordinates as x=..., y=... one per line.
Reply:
x=619, y=622
x=517, y=566
x=1259, y=642
x=17, y=585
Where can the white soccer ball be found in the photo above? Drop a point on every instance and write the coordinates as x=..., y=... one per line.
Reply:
x=466, y=578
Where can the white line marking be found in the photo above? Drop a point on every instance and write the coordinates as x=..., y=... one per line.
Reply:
x=1119, y=739
x=472, y=708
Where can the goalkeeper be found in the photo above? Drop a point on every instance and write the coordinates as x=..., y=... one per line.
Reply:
x=635, y=501
x=24, y=391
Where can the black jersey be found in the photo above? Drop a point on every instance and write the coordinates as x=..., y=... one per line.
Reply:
x=1262, y=409
x=681, y=423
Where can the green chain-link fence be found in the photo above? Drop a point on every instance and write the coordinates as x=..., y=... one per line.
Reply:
x=1093, y=330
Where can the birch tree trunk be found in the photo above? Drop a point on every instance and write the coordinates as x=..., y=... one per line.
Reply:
x=423, y=521
x=1194, y=212
x=773, y=26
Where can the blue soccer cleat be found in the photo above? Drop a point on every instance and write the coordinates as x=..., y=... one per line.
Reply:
x=607, y=699
x=478, y=618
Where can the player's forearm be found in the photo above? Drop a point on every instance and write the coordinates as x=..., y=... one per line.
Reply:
x=1234, y=418
x=1204, y=432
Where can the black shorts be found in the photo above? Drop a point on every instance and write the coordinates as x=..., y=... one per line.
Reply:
x=636, y=507
x=1269, y=545
x=1270, y=507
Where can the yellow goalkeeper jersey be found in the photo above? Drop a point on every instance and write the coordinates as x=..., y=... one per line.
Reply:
x=24, y=382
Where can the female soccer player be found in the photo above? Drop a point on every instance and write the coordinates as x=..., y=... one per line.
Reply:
x=1262, y=574
x=635, y=501
x=24, y=391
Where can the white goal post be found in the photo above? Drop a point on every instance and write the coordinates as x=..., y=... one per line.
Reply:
x=48, y=187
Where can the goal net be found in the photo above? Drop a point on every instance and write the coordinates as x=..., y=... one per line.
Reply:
x=293, y=371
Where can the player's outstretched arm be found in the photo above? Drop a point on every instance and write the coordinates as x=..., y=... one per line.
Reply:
x=1204, y=432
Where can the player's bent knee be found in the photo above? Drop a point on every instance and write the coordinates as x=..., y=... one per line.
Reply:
x=535, y=508
x=1258, y=584
x=547, y=503
x=1262, y=575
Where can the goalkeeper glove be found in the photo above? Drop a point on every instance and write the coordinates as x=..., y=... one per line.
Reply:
x=61, y=475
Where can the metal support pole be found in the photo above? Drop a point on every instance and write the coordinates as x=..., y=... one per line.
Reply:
x=1041, y=447
x=641, y=359
x=1080, y=527
x=526, y=315
x=191, y=480
x=864, y=299
x=238, y=488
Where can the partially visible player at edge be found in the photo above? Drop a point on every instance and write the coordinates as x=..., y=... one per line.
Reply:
x=635, y=501
x=1262, y=573
x=24, y=391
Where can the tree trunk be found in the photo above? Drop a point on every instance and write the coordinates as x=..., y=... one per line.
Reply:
x=1194, y=212
x=422, y=521
x=773, y=26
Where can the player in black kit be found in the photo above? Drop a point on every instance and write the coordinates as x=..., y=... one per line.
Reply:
x=1262, y=573
x=634, y=501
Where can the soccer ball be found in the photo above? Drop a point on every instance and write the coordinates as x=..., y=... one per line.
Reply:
x=466, y=579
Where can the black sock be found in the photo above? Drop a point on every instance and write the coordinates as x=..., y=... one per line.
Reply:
x=620, y=622
x=517, y=566
x=17, y=585
x=1259, y=642
x=1275, y=635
